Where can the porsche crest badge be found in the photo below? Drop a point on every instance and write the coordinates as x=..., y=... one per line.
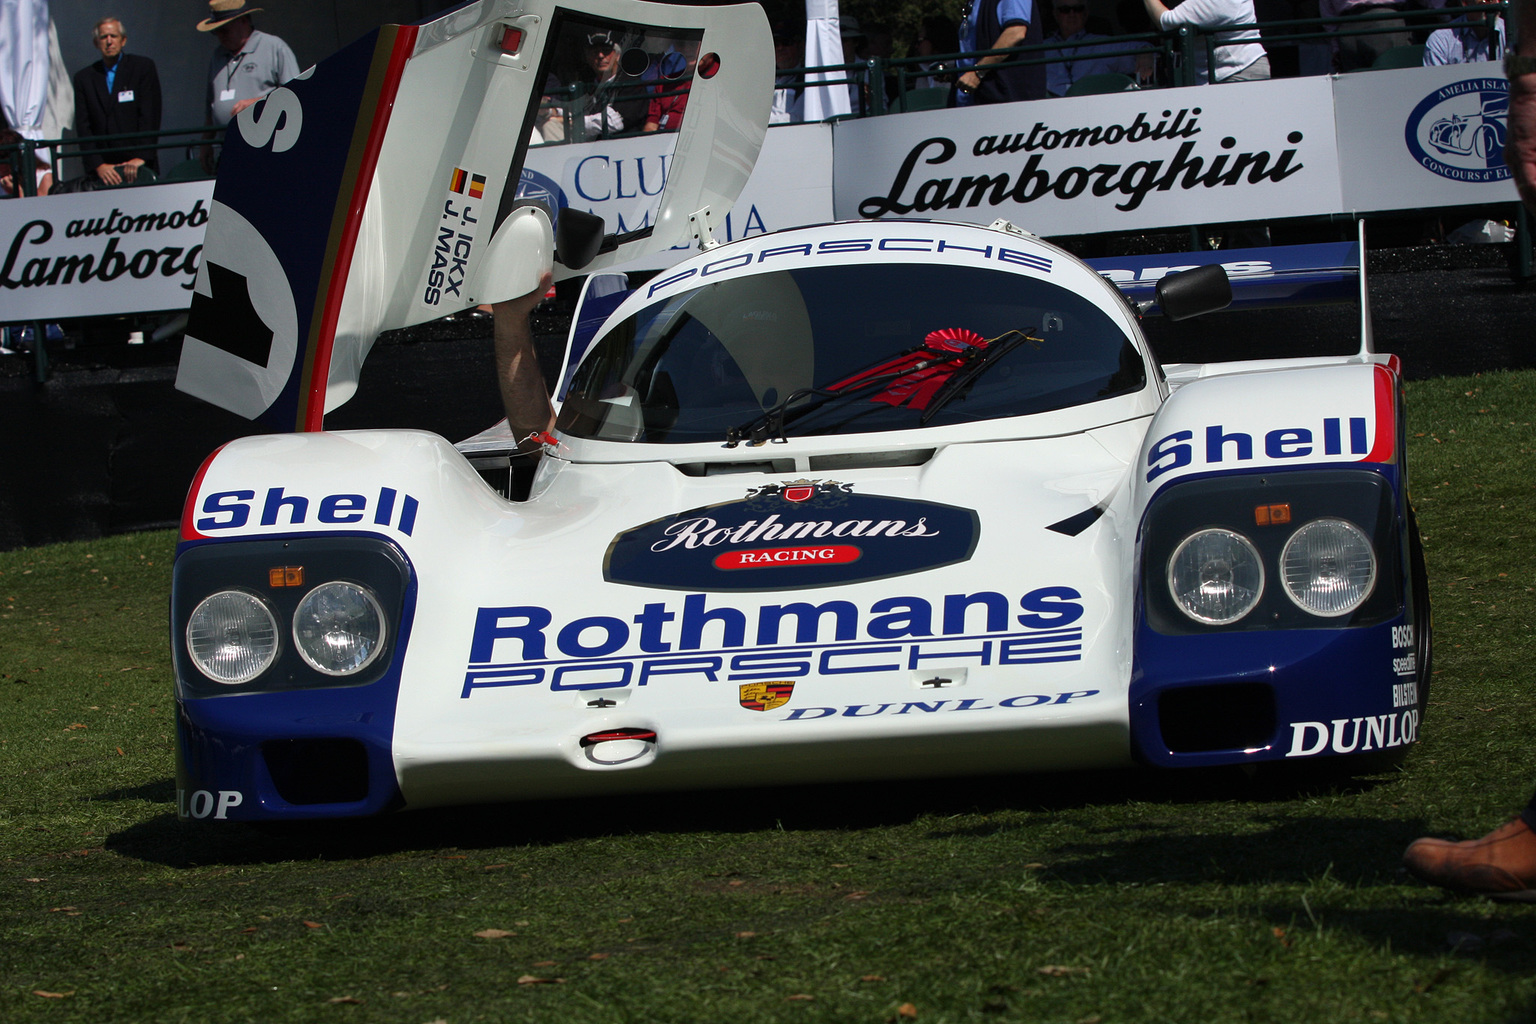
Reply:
x=765, y=696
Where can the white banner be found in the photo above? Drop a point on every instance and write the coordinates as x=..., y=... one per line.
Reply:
x=1117, y=162
x=1131, y=161
x=621, y=181
x=1423, y=137
x=126, y=250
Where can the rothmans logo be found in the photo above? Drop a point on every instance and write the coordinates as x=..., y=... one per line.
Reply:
x=803, y=533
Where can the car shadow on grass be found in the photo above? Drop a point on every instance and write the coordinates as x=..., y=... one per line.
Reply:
x=833, y=806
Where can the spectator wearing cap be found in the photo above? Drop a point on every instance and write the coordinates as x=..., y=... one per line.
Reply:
x=788, y=89
x=119, y=93
x=1074, y=63
x=617, y=102
x=246, y=65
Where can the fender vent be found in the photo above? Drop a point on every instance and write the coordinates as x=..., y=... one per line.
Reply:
x=318, y=771
x=1237, y=716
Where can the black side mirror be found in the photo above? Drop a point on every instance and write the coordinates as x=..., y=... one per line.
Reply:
x=1189, y=293
x=578, y=238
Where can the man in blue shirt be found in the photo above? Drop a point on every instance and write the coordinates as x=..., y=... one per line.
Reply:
x=997, y=25
x=1078, y=62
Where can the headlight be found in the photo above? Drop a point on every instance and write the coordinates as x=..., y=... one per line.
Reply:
x=1215, y=576
x=1328, y=567
x=339, y=628
x=232, y=637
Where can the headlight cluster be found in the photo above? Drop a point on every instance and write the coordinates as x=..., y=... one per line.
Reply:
x=338, y=629
x=1327, y=568
x=1303, y=549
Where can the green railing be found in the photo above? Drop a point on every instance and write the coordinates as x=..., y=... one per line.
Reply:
x=22, y=155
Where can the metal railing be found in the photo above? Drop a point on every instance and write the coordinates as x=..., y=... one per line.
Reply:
x=22, y=154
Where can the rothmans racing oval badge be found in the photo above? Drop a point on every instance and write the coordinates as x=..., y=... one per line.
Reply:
x=807, y=533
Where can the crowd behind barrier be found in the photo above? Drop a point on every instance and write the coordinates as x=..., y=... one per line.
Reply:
x=920, y=82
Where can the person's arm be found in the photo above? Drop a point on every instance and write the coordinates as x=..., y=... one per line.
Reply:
x=523, y=391
x=1012, y=35
x=1520, y=146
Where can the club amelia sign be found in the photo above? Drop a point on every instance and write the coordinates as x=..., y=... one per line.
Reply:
x=801, y=534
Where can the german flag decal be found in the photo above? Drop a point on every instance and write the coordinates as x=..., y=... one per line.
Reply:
x=464, y=183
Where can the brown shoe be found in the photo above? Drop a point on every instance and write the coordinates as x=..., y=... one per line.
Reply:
x=1502, y=864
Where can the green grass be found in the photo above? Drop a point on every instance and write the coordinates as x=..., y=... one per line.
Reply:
x=1096, y=897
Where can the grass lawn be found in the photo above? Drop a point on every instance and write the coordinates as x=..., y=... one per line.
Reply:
x=1104, y=897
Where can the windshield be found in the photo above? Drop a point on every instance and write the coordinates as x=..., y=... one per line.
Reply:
x=847, y=349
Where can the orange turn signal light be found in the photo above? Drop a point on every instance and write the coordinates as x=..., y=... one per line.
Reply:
x=1271, y=515
x=286, y=576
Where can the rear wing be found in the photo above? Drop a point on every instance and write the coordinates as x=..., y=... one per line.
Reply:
x=1262, y=278
x=384, y=187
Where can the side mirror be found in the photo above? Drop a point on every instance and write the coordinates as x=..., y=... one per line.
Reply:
x=579, y=238
x=1190, y=293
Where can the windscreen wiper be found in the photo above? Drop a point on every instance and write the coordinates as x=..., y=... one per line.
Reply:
x=973, y=368
x=769, y=426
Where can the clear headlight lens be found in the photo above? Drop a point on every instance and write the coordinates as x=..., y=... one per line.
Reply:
x=1328, y=567
x=232, y=637
x=339, y=628
x=1215, y=576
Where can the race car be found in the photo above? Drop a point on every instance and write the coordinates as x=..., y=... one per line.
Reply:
x=859, y=500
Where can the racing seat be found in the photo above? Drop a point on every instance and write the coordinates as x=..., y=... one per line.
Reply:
x=1399, y=57
x=1109, y=81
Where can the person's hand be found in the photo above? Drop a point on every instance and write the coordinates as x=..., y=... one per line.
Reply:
x=108, y=174
x=523, y=305
x=1520, y=146
x=969, y=82
x=240, y=105
x=130, y=170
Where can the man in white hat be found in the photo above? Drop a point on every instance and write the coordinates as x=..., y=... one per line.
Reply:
x=247, y=64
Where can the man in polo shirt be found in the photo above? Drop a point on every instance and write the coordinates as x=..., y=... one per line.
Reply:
x=999, y=25
x=246, y=65
x=119, y=93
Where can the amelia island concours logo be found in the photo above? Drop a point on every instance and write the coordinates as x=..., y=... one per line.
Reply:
x=1458, y=131
x=806, y=533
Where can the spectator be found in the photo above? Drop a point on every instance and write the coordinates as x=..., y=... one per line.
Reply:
x=788, y=89
x=666, y=110
x=936, y=35
x=1078, y=62
x=1469, y=40
x=246, y=65
x=1501, y=864
x=1353, y=52
x=117, y=94
x=998, y=25
x=617, y=102
x=1240, y=57
x=8, y=155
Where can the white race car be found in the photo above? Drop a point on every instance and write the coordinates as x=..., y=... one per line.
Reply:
x=861, y=500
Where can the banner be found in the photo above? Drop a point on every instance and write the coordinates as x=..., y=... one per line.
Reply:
x=127, y=250
x=1130, y=161
x=1118, y=162
x=1423, y=137
x=621, y=180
